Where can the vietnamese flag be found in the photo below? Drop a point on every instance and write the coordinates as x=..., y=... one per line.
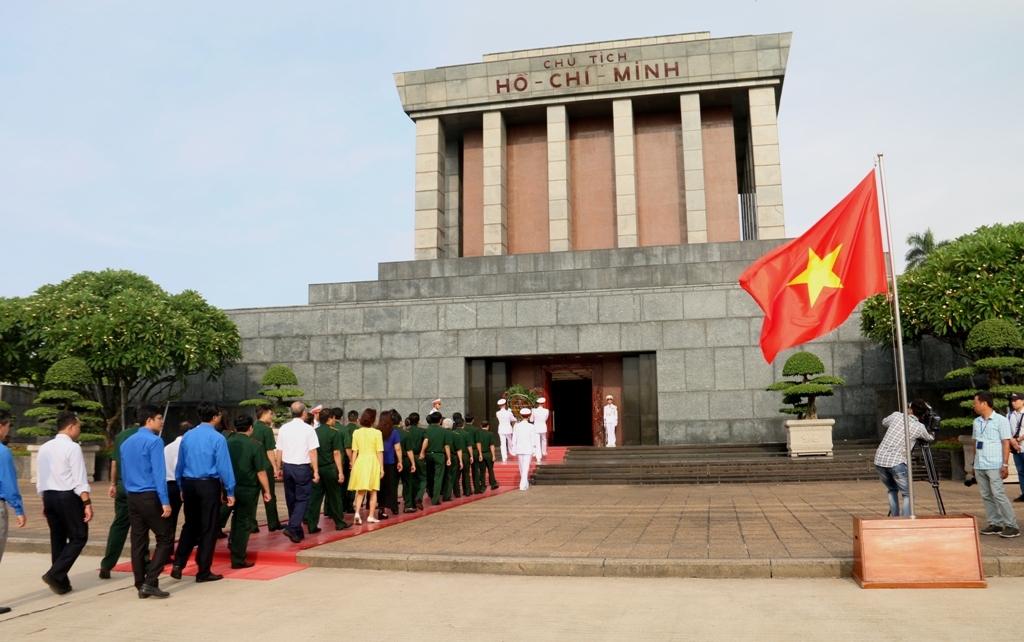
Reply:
x=810, y=285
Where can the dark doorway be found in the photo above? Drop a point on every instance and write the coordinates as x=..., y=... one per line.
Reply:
x=572, y=410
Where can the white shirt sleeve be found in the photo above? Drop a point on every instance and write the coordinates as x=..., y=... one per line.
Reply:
x=78, y=473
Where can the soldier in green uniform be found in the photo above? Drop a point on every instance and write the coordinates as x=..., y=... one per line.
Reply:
x=263, y=433
x=249, y=460
x=436, y=455
x=414, y=473
x=485, y=443
x=454, y=462
x=464, y=476
x=347, y=430
x=403, y=463
x=120, y=526
x=331, y=484
x=471, y=430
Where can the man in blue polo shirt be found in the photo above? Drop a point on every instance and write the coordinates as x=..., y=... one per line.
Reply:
x=992, y=448
x=10, y=496
x=143, y=471
x=203, y=465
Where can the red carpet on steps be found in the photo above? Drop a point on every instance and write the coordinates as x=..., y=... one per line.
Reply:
x=275, y=554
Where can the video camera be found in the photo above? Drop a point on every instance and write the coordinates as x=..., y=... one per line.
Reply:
x=931, y=420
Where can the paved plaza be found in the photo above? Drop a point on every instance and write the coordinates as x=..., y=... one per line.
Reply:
x=379, y=605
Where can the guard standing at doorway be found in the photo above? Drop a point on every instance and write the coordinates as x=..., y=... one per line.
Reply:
x=540, y=423
x=611, y=421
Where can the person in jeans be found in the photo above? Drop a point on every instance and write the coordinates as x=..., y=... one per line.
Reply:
x=891, y=456
x=991, y=466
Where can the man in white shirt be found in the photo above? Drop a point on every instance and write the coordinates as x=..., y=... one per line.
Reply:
x=64, y=486
x=523, y=437
x=171, y=463
x=297, y=446
x=505, y=419
x=1016, y=417
x=540, y=423
x=611, y=421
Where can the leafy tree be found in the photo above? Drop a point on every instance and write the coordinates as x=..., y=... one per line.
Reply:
x=65, y=387
x=994, y=345
x=276, y=394
x=140, y=342
x=977, y=277
x=801, y=395
x=921, y=247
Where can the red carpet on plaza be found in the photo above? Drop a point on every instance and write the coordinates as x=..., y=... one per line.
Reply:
x=275, y=554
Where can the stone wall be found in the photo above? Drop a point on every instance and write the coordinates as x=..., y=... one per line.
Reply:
x=403, y=340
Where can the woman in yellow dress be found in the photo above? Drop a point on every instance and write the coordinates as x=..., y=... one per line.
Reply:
x=368, y=453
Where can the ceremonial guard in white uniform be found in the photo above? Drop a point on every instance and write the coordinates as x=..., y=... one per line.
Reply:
x=523, y=436
x=611, y=421
x=540, y=423
x=505, y=419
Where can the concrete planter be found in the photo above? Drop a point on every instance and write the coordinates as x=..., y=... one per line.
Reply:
x=88, y=453
x=23, y=467
x=805, y=437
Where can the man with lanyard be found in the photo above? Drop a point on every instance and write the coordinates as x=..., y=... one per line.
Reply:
x=1015, y=417
x=992, y=447
x=118, y=532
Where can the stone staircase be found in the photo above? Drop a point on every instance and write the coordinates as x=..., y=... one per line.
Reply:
x=709, y=464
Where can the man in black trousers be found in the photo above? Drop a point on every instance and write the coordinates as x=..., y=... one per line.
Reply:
x=64, y=485
x=149, y=506
x=203, y=464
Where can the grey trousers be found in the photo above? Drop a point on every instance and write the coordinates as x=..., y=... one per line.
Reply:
x=3, y=527
x=997, y=506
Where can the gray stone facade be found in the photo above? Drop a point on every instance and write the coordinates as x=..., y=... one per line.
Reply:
x=404, y=339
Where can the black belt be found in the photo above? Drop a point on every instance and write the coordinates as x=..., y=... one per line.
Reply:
x=200, y=479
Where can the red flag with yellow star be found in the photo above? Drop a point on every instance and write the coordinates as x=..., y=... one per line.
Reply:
x=810, y=285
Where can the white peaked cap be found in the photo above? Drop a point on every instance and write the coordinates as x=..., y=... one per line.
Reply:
x=524, y=411
x=609, y=397
x=435, y=401
x=501, y=402
x=541, y=400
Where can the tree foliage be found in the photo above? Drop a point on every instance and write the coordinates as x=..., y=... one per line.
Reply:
x=67, y=388
x=977, y=277
x=275, y=394
x=995, y=345
x=140, y=342
x=801, y=395
x=921, y=247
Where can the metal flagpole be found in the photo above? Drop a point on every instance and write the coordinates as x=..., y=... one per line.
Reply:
x=901, y=379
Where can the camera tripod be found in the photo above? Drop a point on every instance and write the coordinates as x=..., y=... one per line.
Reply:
x=933, y=475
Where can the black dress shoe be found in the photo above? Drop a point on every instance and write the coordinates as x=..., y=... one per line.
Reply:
x=314, y=529
x=104, y=573
x=222, y=535
x=243, y=565
x=340, y=526
x=294, y=537
x=409, y=510
x=5, y=610
x=55, y=586
x=209, y=577
x=151, y=591
x=279, y=527
x=1019, y=499
x=176, y=573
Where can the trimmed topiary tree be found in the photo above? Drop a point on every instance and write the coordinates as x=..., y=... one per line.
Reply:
x=993, y=345
x=65, y=389
x=276, y=394
x=801, y=395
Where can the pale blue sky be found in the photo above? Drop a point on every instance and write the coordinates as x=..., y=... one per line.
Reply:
x=222, y=146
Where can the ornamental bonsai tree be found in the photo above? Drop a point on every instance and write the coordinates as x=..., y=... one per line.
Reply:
x=275, y=394
x=65, y=389
x=801, y=394
x=994, y=346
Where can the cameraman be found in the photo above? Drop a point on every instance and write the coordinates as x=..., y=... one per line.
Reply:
x=891, y=456
x=1015, y=417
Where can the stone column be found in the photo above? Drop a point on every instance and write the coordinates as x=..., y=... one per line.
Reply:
x=764, y=138
x=495, y=185
x=559, y=205
x=430, y=187
x=452, y=204
x=693, y=169
x=625, y=174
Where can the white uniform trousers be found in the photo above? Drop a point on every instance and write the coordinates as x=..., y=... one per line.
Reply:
x=609, y=431
x=524, y=471
x=506, y=446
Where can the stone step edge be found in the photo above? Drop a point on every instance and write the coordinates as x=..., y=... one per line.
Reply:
x=780, y=568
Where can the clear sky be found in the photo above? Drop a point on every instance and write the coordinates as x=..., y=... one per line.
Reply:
x=247, y=149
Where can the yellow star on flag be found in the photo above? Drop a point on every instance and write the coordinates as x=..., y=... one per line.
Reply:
x=819, y=274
